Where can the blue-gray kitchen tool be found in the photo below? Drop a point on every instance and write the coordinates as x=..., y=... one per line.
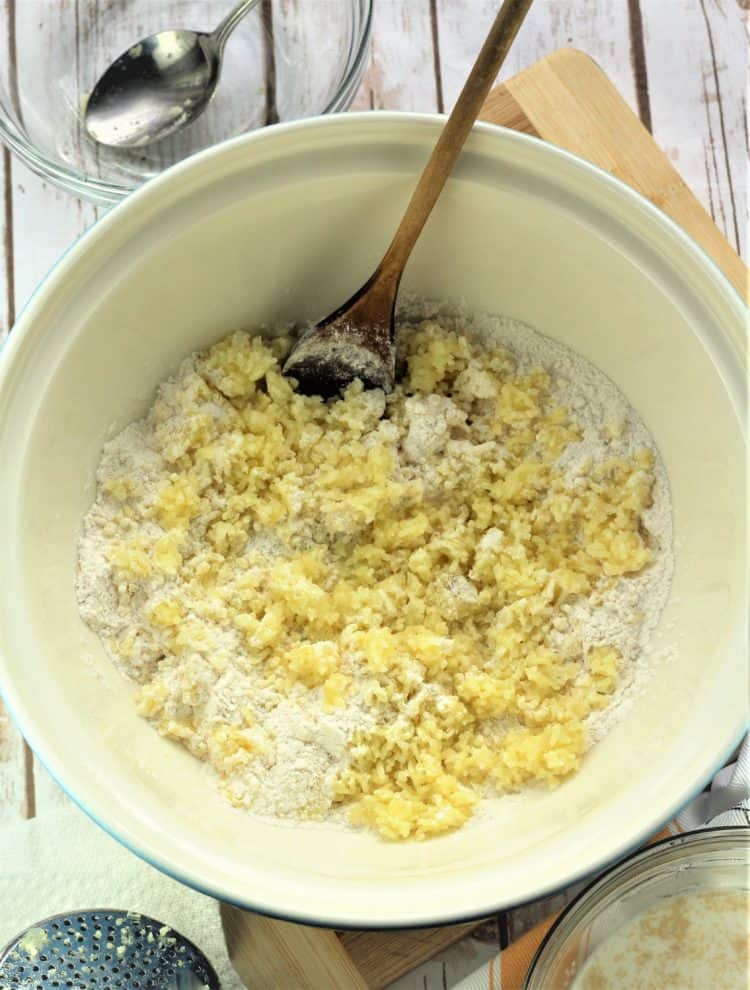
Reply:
x=104, y=950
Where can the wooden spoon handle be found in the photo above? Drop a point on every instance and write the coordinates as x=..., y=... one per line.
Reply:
x=454, y=134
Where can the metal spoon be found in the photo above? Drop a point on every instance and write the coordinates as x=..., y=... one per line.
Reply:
x=357, y=340
x=159, y=85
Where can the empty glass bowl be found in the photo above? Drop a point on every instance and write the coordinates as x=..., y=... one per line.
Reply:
x=287, y=59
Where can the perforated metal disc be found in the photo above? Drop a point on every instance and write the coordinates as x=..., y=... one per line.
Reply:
x=104, y=950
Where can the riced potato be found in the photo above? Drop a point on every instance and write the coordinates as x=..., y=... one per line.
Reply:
x=411, y=555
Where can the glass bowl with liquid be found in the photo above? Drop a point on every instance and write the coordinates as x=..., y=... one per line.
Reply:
x=674, y=916
x=286, y=60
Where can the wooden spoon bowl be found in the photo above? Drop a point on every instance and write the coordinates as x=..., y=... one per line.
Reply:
x=358, y=339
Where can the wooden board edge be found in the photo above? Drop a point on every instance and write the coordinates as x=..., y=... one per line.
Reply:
x=266, y=952
x=269, y=952
x=568, y=100
x=382, y=957
x=503, y=109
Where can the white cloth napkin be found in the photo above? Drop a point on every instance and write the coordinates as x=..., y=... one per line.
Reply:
x=63, y=862
x=727, y=803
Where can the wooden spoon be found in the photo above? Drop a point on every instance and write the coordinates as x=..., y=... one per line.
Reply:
x=358, y=339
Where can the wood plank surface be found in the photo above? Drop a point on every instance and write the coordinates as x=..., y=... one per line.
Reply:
x=599, y=27
x=681, y=66
x=401, y=72
x=15, y=795
x=700, y=116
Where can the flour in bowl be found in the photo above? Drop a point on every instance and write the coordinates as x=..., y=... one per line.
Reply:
x=383, y=606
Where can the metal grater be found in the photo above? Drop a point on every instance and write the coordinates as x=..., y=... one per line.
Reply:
x=104, y=950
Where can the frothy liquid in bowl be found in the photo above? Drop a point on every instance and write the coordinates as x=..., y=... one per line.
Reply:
x=697, y=941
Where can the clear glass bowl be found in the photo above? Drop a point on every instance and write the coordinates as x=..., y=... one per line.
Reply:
x=709, y=859
x=288, y=59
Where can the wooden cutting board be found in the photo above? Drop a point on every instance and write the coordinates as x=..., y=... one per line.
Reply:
x=567, y=100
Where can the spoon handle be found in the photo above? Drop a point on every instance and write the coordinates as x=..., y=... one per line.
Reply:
x=454, y=134
x=230, y=22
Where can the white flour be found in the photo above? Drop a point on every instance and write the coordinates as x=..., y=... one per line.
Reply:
x=308, y=747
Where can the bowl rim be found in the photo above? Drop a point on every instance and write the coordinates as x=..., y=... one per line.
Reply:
x=12, y=355
x=640, y=858
x=103, y=192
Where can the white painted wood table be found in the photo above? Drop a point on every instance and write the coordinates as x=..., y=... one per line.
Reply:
x=681, y=64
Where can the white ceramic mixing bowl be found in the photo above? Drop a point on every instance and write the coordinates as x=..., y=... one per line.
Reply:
x=285, y=224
